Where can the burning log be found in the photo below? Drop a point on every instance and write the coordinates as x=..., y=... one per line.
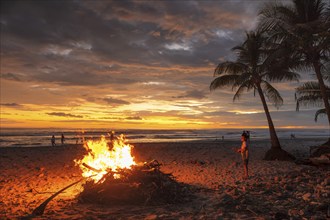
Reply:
x=145, y=185
x=91, y=168
x=119, y=180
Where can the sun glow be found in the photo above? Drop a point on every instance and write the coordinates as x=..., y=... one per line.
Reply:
x=238, y=112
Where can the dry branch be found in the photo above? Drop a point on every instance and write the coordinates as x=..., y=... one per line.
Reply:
x=142, y=185
x=41, y=208
x=91, y=168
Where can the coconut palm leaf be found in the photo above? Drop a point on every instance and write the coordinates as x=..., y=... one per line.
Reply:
x=272, y=94
x=309, y=94
x=319, y=112
x=254, y=67
x=273, y=76
x=223, y=81
x=229, y=68
x=246, y=86
x=303, y=28
x=274, y=16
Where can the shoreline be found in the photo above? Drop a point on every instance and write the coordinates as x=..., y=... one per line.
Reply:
x=201, y=141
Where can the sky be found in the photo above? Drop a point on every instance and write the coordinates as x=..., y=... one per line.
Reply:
x=130, y=64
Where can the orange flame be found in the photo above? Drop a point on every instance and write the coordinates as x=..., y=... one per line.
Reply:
x=103, y=159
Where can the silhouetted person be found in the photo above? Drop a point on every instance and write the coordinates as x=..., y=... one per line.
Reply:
x=112, y=136
x=244, y=150
x=62, y=139
x=53, y=141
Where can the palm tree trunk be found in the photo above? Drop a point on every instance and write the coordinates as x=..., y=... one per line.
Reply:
x=317, y=69
x=273, y=136
x=275, y=152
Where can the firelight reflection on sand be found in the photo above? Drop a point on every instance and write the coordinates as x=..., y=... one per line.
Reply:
x=101, y=158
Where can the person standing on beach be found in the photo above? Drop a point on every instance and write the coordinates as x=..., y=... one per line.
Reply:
x=248, y=137
x=62, y=139
x=53, y=141
x=244, y=150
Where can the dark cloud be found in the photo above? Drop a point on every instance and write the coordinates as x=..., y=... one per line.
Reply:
x=126, y=31
x=13, y=105
x=115, y=102
x=168, y=48
x=10, y=76
x=75, y=77
x=195, y=94
x=62, y=114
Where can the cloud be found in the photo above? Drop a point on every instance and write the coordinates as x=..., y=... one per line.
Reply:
x=62, y=114
x=10, y=76
x=195, y=94
x=134, y=118
x=125, y=32
x=12, y=105
x=115, y=102
x=144, y=51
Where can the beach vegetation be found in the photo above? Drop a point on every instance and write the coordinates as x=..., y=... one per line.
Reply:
x=309, y=94
x=302, y=28
x=255, y=67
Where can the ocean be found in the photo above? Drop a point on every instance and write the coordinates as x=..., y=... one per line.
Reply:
x=19, y=137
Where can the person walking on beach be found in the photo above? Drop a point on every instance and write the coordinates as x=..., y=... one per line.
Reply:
x=62, y=139
x=112, y=136
x=244, y=150
x=53, y=141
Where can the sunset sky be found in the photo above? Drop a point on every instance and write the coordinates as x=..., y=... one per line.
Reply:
x=130, y=64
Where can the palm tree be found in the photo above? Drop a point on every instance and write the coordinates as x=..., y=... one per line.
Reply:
x=309, y=93
x=253, y=70
x=304, y=29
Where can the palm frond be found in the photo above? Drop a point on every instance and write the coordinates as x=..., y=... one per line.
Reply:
x=246, y=86
x=272, y=94
x=319, y=112
x=310, y=88
x=229, y=68
x=309, y=94
x=279, y=76
x=310, y=100
x=274, y=16
x=223, y=81
x=325, y=69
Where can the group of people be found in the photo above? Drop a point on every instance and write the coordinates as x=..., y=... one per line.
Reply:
x=53, y=140
x=81, y=137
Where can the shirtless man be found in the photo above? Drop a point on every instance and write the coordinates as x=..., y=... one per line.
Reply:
x=244, y=150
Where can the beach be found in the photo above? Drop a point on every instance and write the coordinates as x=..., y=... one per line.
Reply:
x=274, y=190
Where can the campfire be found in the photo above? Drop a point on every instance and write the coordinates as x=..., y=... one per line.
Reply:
x=115, y=178
x=102, y=158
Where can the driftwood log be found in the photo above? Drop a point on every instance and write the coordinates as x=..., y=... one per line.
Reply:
x=41, y=208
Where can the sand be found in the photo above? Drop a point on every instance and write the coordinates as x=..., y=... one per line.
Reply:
x=274, y=190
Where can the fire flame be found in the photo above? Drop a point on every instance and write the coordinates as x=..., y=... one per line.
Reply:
x=102, y=159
